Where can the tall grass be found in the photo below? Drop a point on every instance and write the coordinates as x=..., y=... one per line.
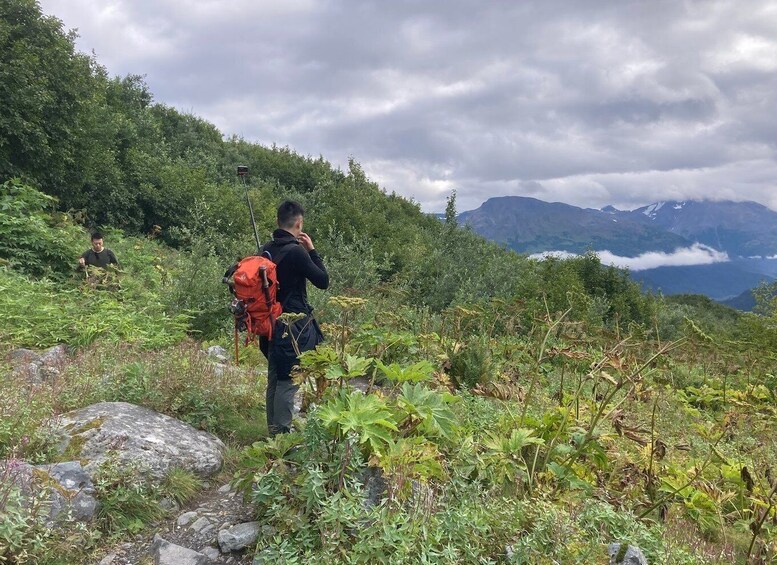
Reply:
x=42, y=312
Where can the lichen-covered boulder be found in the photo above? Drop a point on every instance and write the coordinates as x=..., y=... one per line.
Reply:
x=74, y=492
x=65, y=490
x=134, y=436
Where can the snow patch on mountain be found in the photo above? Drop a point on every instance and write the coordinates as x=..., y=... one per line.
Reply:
x=652, y=210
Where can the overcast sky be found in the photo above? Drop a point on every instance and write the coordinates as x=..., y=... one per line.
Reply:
x=584, y=102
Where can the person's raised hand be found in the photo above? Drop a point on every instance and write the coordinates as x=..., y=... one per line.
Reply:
x=305, y=240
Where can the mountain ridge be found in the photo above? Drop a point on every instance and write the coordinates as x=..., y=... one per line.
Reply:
x=745, y=229
x=529, y=225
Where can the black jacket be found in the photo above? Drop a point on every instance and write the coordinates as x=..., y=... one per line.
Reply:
x=295, y=267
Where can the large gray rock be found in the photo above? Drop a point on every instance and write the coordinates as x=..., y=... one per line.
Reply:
x=166, y=553
x=139, y=437
x=65, y=489
x=238, y=537
x=630, y=555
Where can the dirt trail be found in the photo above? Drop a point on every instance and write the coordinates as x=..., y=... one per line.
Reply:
x=194, y=526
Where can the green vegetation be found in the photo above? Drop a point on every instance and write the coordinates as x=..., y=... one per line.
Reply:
x=607, y=438
x=515, y=410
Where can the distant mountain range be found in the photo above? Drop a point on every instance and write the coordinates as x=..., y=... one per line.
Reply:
x=528, y=225
x=739, y=238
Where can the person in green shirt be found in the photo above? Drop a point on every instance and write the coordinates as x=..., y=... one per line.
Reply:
x=98, y=255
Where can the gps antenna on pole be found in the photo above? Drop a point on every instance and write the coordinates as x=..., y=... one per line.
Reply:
x=242, y=172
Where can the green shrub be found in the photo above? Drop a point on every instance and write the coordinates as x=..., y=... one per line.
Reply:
x=196, y=289
x=26, y=418
x=472, y=363
x=32, y=238
x=180, y=485
x=127, y=502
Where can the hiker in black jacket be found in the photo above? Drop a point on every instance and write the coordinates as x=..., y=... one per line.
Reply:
x=291, y=249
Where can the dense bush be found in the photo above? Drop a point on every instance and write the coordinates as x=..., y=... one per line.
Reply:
x=33, y=240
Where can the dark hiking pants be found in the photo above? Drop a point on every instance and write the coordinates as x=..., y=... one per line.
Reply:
x=279, y=401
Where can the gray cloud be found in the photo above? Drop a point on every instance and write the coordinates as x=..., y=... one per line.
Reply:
x=590, y=103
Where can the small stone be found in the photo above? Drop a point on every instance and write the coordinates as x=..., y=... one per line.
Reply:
x=166, y=553
x=186, y=518
x=108, y=559
x=218, y=353
x=211, y=553
x=207, y=530
x=238, y=537
x=200, y=524
x=168, y=504
x=631, y=556
x=225, y=489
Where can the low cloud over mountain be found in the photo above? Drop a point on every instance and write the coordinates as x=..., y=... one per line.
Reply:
x=696, y=254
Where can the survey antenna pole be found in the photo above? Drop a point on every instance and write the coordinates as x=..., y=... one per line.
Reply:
x=242, y=172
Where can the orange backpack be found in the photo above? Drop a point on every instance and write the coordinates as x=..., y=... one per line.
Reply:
x=255, y=284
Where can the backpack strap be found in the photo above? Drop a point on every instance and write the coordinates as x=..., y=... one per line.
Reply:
x=280, y=254
x=227, y=279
